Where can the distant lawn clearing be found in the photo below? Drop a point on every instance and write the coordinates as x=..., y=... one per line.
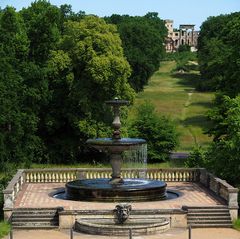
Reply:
x=174, y=95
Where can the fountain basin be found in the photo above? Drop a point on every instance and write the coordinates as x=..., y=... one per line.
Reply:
x=102, y=190
x=115, y=146
x=106, y=226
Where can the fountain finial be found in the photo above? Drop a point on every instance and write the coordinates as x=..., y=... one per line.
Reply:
x=116, y=124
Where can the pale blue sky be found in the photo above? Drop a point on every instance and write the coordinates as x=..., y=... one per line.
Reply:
x=181, y=11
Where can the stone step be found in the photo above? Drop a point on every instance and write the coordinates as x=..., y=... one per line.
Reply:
x=209, y=215
x=209, y=221
x=35, y=212
x=37, y=209
x=209, y=218
x=208, y=225
x=36, y=227
x=200, y=217
x=34, y=219
x=34, y=215
x=223, y=210
x=206, y=207
x=33, y=224
x=29, y=218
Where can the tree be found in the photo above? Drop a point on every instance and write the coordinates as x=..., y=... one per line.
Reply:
x=159, y=132
x=222, y=156
x=224, y=151
x=143, y=39
x=219, y=53
x=18, y=124
x=43, y=23
x=87, y=69
x=68, y=14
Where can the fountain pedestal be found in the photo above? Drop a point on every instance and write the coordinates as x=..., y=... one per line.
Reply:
x=116, y=161
x=116, y=189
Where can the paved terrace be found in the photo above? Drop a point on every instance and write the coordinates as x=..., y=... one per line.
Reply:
x=40, y=195
x=179, y=233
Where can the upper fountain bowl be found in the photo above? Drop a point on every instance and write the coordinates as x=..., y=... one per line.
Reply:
x=117, y=102
x=115, y=146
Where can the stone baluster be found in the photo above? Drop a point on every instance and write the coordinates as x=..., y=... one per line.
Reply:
x=34, y=178
x=54, y=177
x=57, y=177
x=166, y=176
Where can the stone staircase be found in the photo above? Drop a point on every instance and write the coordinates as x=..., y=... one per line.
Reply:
x=199, y=217
x=35, y=218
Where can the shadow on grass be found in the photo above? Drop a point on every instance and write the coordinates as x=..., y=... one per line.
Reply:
x=188, y=79
x=192, y=67
x=198, y=121
x=203, y=104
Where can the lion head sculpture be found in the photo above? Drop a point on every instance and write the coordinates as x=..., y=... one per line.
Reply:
x=122, y=212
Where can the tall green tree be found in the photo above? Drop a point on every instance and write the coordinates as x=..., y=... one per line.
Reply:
x=88, y=69
x=223, y=155
x=18, y=124
x=143, y=39
x=219, y=53
x=43, y=23
x=68, y=14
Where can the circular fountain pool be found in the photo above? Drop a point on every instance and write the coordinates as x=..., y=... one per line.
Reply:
x=101, y=190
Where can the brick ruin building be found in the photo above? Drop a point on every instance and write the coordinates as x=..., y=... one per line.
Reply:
x=185, y=35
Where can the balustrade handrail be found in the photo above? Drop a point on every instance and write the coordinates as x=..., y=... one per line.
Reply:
x=14, y=180
x=61, y=175
x=42, y=170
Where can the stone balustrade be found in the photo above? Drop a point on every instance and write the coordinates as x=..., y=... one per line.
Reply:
x=65, y=174
x=62, y=175
x=174, y=174
x=220, y=187
x=14, y=186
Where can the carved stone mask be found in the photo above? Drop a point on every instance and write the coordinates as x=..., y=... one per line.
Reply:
x=122, y=212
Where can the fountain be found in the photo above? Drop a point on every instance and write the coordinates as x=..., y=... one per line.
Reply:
x=116, y=189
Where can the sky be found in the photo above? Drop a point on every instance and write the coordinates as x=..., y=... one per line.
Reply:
x=181, y=11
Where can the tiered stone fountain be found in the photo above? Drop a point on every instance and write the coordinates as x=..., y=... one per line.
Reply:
x=116, y=189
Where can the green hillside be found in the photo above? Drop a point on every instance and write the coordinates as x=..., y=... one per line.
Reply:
x=174, y=95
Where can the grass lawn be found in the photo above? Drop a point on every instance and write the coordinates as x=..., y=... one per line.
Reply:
x=169, y=164
x=174, y=95
x=236, y=224
x=4, y=229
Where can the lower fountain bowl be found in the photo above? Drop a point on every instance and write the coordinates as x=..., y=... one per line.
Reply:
x=138, y=226
x=102, y=190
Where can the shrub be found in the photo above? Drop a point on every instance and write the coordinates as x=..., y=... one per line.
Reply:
x=196, y=158
x=183, y=48
x=159, y=132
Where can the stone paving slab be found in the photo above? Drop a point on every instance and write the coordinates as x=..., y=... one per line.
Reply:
x=207, y=233
x=40, y=195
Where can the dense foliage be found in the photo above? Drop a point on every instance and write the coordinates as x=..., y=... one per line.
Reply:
x=18, y=122
x=142, y=39
x=222, y=156
x=219, y=53
x=87, y=69
x=159, y=132
x=219, y=60
x=224, y=151
x=57, y=69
